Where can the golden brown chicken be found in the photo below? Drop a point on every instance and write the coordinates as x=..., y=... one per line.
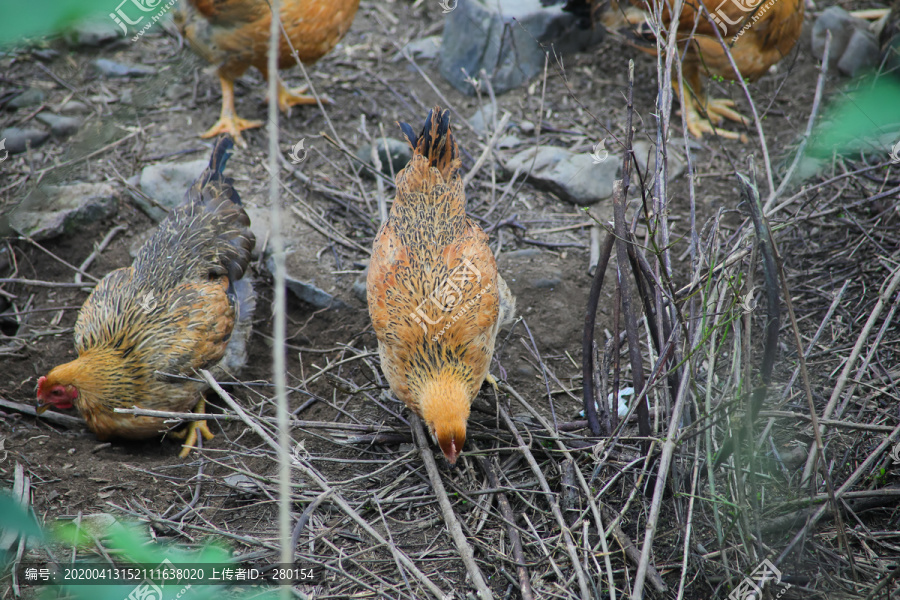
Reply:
x=435, y=297
x=759, y=33
x=185, y=304
x=234, y=35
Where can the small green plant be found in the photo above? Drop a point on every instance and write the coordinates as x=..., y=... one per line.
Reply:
x=130, y=545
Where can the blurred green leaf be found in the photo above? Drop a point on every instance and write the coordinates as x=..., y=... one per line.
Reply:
x=16, y=518
x=865, y=119
x=19, y=19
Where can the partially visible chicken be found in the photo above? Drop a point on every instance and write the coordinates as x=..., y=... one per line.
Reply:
x=759, y=33
x=185, y=304
x=234, y=35
x=435, y=297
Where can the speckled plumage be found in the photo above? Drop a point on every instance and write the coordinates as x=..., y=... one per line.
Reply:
x=184, y=304
x=435, y=297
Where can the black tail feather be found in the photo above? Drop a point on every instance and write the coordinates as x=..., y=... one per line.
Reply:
x=436, y=141
x=212, y=177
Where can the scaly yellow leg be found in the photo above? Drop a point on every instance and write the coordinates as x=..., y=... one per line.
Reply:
x=190, y=440
x=715, y=109
x=490, y=379
x=228, y=121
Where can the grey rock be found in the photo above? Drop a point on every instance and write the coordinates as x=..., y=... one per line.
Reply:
x=54, y=210
x=482, y=120
x=307, y=291
x=509, y=141
x=45, y=54
x=166, y=184
x=572, y=177
x=17, y=138
x=111, y=68
x=30, y=97
x=242, y=484
x=359, y=290
x=177, y=90
x=526, y=371
x=75, y=107
x=60, y=126
x=423, y=49
x=100, y=525
x=645, y=153
x=843, y=27
x=94, y=32
x=861, y=53
x=504, y=38
x=307, y=279
x=398, y=152
x=545, y=282
x=526, y=127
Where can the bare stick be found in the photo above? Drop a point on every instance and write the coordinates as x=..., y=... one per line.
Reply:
x=844, y=377
x=50, y=415
x=279, y=305
x=554, y=506
x=453, y=526
x=487, y=150
x=50, y=284
x=863, y=470
x=97, y=250
x=817, y=99
x=514, y=538
x=323, y=485
x=587, y=340
x=665, y=462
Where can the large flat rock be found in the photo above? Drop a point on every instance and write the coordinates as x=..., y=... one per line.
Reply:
x=506, y=38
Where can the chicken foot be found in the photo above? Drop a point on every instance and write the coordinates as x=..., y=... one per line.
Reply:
x=228, y=121
x=190, y=433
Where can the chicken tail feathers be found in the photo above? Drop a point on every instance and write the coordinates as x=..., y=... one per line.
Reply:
x=213, y=178
x=436, y=142
x=207, y=236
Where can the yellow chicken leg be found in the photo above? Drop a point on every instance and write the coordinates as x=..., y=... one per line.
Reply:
x=288, y=97
x=716, y=110
x=228, y=121
x=491, y=380
x=190, y=437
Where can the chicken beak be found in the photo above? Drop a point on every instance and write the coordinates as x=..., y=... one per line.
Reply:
x=42, y=408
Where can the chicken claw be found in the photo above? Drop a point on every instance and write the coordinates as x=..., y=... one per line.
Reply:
x=228, y=121
x=288, y=97
x=491, y=380
x=190, y=434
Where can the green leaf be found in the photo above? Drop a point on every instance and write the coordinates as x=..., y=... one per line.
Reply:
x=16, y=518
x=865, y=119
x=39, y=17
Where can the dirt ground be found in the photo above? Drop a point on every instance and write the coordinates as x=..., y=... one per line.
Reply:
x=371, y=87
